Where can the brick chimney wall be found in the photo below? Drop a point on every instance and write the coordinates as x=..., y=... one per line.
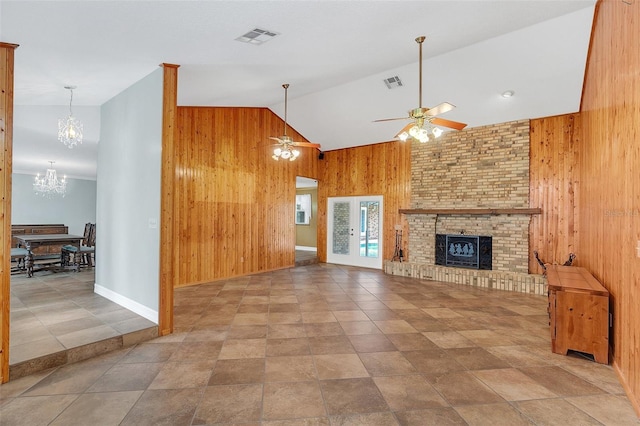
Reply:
x=482, y=167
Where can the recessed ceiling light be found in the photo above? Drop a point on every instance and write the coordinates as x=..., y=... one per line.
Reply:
x=392, y=82
x=257, y=36
x=508, y=94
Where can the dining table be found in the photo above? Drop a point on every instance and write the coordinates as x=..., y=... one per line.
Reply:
x=31, y=241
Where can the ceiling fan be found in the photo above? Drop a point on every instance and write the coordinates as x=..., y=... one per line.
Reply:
x=285, y=146
x=423, y=127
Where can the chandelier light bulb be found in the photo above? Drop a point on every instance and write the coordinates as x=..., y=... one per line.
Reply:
x=437, y=132
x=413, y=131
x=403, y=136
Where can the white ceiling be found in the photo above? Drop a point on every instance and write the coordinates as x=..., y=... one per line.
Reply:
x=334, y=54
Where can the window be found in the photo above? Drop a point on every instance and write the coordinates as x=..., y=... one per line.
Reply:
x=303, y=209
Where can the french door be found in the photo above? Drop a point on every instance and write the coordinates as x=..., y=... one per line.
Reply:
x=354, y=231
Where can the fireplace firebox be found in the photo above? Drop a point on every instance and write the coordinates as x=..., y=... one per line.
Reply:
x=463, y=251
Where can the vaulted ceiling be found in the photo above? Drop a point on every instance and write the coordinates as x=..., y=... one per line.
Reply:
x=334, y=54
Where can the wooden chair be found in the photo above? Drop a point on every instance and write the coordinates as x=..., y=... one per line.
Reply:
x=87, y=249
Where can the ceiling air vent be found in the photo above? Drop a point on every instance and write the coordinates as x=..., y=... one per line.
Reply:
x=257, y=36
x=392, y=82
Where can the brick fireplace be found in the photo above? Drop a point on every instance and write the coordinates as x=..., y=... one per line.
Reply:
x=455, y=181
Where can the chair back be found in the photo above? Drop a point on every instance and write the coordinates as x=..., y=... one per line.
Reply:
x=87, y=232
x=86, y=237
x=90, y=241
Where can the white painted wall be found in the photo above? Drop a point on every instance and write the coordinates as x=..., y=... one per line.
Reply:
x=128, y=200
x=74, y=210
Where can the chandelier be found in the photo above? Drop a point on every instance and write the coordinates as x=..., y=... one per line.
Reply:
x=49, y=185
x=70, y=129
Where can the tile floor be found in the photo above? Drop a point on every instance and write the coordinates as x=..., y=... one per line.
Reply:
x=330, y=345
x=57, y=318
x=306, y=257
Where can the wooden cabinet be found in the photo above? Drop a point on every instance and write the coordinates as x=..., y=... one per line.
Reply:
x=578, y=312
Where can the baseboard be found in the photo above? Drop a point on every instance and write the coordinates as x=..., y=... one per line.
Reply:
x=635, y=403
x=306, y=248
x=125, y=302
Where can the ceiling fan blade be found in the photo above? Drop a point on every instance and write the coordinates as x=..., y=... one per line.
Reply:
x=405, y=129
x=440, y=109
x=307, y=144
x=448, y=123
x=391, y=119
x=276, y=139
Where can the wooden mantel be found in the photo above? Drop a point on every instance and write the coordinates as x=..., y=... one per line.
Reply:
x=454, y=211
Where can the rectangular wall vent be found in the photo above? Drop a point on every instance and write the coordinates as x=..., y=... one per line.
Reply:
x=257, y=36
x=392, y=82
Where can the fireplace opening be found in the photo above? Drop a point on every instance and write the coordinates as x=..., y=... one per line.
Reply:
x=463, y=251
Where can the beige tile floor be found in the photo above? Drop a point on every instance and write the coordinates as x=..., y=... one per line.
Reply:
x=306, y=257
x=57, y=318
x=331, y=345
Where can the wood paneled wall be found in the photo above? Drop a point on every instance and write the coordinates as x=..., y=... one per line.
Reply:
x=380, y=169
x=554, y=187
x=234, y=204
x=6, y=152
x=609, y=202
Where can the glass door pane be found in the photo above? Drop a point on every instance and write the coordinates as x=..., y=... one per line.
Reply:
x=369, y=228
x=341, y=226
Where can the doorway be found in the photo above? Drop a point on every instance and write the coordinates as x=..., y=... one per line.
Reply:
x=306, y=221
x=354, y=231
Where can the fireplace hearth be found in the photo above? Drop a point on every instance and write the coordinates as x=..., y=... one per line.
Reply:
x=464, y=251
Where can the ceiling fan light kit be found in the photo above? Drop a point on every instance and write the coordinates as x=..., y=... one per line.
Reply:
x=70, y=130
x=423, y=127
x=290, y=155
x=285, y=149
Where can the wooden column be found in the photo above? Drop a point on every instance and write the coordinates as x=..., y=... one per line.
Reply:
x=6, y=152
x=167, y=258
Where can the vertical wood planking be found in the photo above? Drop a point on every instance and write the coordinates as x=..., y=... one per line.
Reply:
x=553, y=187
x=609, y=201
x=234, y=210
x=6, y=151
x=380, y=169
x=167, y=233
